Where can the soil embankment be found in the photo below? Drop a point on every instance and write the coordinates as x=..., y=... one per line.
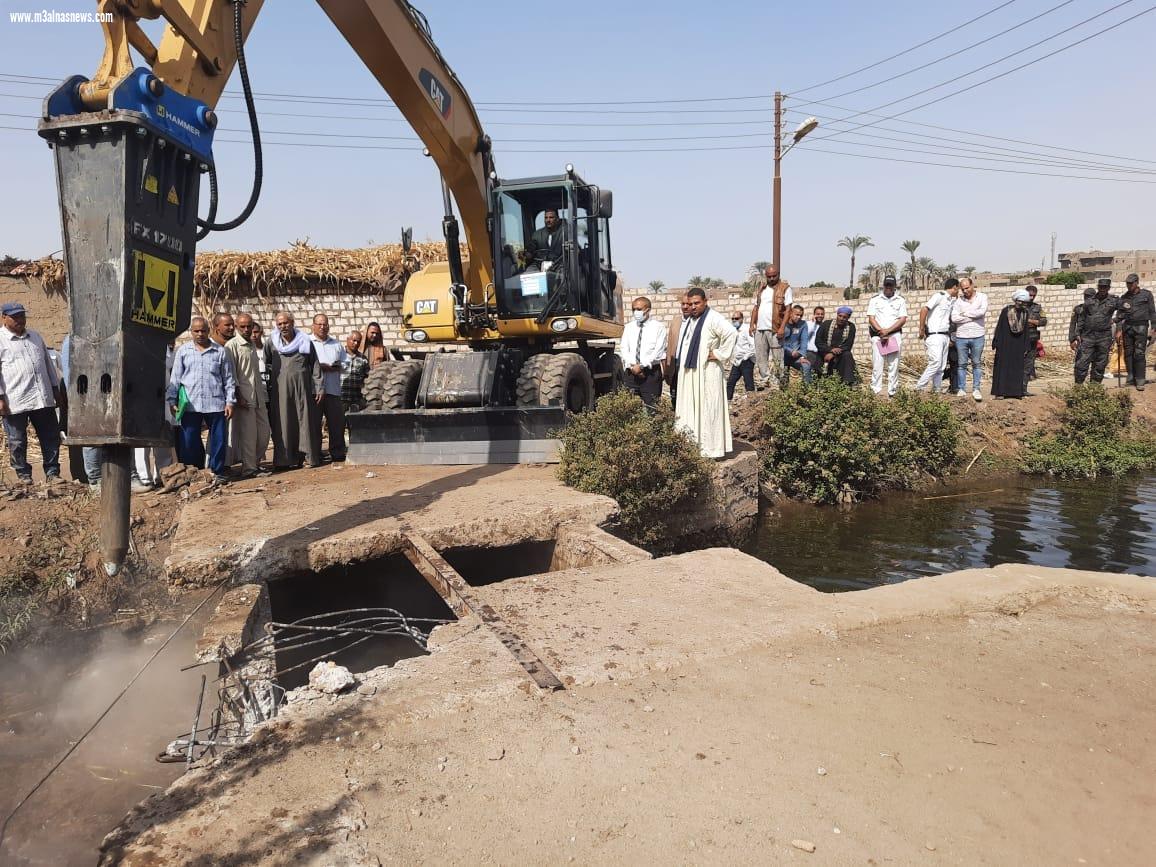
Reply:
x=715, y=711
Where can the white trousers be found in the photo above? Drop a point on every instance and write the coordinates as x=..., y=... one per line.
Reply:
x=150, y=461
x=881, y=364
x=937, y=346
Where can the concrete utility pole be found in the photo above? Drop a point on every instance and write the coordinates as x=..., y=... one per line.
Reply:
x=777, y=194
x=1053, y=262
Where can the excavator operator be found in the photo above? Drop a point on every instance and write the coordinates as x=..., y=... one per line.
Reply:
x=546, y=243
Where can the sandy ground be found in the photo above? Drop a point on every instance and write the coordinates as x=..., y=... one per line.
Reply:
x=716, y=712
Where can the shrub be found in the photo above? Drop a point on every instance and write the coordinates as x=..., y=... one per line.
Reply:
x=1095, y=437
x=830, y=442
x=623, y=450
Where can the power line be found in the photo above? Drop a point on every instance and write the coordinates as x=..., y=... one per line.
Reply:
x=994, y=77
x=935, y=38
x=945, y=57
x=974, y=168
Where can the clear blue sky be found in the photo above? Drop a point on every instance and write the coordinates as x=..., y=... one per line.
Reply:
x=695, y=212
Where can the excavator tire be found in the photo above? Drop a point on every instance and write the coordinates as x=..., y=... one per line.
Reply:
x=610, y=363
x=561, y=378
x=392, y=385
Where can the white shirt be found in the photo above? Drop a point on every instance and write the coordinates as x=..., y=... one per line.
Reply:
x=27, y=376
x=968, y=315
x=330, y=351
x=939, y=313
x=887, y=311
x=814, y=326
x=643, y=344
x=767, y=307
x=744, y=346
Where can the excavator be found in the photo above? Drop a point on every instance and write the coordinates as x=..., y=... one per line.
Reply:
x=501, y=342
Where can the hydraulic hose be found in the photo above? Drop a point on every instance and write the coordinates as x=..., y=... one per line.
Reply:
x=208, y=225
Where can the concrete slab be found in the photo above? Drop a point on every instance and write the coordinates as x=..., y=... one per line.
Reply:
x=716, y=712
x=310, y=519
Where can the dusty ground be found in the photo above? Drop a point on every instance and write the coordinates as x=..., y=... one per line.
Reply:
x=49, y=566
x=716, y=712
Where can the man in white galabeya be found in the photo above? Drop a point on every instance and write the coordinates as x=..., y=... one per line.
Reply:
x=886, y=315
x=935, y=329
x=968, y=314
x=708, y=343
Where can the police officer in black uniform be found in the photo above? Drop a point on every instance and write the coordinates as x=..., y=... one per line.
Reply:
x=1137, y=318
x=1036, y=321
x=1090, y=333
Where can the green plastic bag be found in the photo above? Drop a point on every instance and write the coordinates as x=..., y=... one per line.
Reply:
x=182, y=402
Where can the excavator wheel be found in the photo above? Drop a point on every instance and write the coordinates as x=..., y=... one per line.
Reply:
x=611, y=363
x=556, y=379
x=392, y=385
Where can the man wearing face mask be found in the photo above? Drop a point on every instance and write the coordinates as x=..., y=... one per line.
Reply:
x=743, y=361
x=642, y=350
x=767, y=317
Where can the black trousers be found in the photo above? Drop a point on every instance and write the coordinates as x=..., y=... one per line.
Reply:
x=1092, y=356
x=744, y=370
x=1030, y=359
x=332, y=411
x=648, y=386
x=1135, y=350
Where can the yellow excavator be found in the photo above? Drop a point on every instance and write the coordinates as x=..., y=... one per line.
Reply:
x=132, y=145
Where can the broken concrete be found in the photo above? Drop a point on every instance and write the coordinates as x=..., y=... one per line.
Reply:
x=972, y=714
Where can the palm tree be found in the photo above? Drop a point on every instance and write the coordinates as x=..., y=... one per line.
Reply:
x=757, y=270
x=854, y=243
x=950, y=270
x=969, y=270
x=656, y=285
x=889, y=270
x=927, y=268
x=910, y=247
x=696, y=282
x=715, y=283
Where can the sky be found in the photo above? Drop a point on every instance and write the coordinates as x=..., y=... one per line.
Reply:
x=704, y=209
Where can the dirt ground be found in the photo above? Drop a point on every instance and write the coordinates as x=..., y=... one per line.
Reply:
x=50, y=573
x=716, y=712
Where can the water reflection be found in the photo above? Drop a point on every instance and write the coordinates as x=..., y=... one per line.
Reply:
x=1104, y=525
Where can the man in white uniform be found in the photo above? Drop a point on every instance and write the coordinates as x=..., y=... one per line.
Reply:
x=935, y=328
x=886, y=314
x=642, y=350
x=708, y=342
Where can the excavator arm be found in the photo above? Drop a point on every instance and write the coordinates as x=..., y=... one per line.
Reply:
x=131, y=145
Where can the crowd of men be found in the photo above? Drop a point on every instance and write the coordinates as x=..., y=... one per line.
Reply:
x=231, y=391
x=244, y=389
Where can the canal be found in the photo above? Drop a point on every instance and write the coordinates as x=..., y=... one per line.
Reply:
x=1105, y=525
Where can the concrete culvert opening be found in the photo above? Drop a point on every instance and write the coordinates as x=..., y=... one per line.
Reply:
x=480, y=565
x=348, y=614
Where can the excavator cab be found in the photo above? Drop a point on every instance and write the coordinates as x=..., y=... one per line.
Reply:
x=559, y=282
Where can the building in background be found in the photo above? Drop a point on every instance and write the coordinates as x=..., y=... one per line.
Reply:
x=1114, y=264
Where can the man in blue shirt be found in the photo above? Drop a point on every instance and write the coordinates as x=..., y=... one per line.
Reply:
x=205, y=371
x=794, y=338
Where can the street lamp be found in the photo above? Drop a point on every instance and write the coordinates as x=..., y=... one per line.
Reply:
x=800, y=133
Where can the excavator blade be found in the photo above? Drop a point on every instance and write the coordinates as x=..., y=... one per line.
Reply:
x=486, y=435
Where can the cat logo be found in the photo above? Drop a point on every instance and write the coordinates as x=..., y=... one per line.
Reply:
x=154, y=295
x=426, y=305
x=437, y=92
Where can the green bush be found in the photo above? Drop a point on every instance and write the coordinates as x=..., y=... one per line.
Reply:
x=637, y=456
x=830, y=442
x=1095, y=437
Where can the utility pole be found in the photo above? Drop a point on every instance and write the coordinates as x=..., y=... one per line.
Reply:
x=777, y=194
x=1052, y=266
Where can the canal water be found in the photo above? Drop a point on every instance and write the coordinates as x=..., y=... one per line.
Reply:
x=1103, y=525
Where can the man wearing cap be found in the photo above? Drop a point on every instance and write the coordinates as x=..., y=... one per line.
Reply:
x=935, y=329
x=1036, y=321
x=1137, y=318
x=886, y=316
x=29, y=389
x=1090, y=334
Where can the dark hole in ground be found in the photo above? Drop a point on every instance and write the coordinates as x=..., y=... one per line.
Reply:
x=480, y=565
x=388, y=582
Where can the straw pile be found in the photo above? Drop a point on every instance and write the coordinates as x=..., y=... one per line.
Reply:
x=383, y=269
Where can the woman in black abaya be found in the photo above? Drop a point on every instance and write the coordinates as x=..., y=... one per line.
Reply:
x=1011, y=343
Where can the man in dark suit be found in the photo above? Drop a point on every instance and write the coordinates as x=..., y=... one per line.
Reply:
x=546, y=243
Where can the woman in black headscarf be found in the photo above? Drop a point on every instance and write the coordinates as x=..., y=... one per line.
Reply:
x=1010, y=343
